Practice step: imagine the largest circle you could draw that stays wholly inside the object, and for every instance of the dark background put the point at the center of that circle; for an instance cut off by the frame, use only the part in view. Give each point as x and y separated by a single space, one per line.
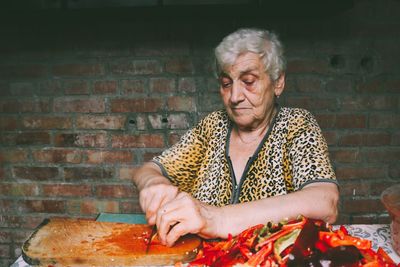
89 90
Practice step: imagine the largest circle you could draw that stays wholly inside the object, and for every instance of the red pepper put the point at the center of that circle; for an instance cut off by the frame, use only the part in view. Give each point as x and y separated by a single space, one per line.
384 259
295 224
259 257
334 240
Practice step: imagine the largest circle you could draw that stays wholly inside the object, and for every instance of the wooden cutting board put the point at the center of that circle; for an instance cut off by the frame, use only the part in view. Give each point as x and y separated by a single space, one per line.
72 242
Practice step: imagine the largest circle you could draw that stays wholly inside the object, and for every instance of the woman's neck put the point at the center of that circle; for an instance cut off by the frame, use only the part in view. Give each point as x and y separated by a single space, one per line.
251 135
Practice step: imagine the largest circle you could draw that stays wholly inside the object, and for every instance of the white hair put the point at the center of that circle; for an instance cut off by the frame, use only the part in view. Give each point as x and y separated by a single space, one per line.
262 42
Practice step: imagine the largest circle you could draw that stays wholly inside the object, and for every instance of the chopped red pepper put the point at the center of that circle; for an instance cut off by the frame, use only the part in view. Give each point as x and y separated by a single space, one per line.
334 240
272 245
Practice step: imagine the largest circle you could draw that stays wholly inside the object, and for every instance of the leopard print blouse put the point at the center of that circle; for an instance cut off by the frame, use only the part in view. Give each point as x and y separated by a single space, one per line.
292 154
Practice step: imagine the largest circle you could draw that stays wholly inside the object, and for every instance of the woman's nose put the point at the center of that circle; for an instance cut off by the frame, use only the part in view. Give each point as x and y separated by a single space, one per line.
237 95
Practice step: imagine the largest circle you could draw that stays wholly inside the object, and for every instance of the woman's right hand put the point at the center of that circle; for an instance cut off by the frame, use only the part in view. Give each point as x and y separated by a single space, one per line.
152 197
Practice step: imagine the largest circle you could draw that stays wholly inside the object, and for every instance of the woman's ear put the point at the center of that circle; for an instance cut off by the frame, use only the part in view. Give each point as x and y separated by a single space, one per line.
279 85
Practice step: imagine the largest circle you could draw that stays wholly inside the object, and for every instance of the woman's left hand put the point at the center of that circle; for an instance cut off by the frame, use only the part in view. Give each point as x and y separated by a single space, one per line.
184 215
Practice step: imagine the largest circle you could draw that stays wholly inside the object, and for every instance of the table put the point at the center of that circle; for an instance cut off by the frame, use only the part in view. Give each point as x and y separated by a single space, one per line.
379 234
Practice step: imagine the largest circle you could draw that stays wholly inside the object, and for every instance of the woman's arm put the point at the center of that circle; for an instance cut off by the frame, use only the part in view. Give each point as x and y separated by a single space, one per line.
188 215
155 190
317 200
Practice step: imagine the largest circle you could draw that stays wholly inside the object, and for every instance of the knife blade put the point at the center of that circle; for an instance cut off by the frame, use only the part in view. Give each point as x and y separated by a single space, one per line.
152 235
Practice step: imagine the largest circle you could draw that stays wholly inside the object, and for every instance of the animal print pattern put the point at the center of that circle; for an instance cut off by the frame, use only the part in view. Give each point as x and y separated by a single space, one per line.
292 154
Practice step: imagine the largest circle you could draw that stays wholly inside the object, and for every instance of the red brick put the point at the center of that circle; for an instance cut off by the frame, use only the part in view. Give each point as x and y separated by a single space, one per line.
92 207
80 140
47 206
57 155
15 106
178 121
136 105
164 48
362 205
138 141
87 173
312 103
93 105
19 190
181 103
343 219
360 172
20 221
396 138
50 87
5 251
8 123
6 206
162 85
115 191
363 219
307 66
21 236
326 120
96 156
72 87
365 139
131 206
105 87
367 103
67 190
46 122
174 138
350 121
179 66
354 189
345 155
384 121
377 187
100 122
339 85
126 173
133 86
147 156
25 138
307 84
209 102
136 67
379 85
36 173
81 70
394 171
187 84
23 71
383 155
2 173
13 155
330 137
5 236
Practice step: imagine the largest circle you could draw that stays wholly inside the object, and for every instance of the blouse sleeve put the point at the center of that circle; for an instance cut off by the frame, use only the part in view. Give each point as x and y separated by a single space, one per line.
309 153
181 162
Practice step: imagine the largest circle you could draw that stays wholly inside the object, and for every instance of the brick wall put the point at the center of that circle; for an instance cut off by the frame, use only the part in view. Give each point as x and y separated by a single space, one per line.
83 104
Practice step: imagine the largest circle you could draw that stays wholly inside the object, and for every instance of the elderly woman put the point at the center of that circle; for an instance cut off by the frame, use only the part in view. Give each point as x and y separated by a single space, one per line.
251 163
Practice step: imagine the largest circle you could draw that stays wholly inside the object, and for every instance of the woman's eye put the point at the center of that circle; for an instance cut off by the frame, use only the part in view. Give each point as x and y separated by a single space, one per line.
248 82
226 84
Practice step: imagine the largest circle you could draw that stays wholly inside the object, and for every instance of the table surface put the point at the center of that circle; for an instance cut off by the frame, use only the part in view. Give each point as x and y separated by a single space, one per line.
379 234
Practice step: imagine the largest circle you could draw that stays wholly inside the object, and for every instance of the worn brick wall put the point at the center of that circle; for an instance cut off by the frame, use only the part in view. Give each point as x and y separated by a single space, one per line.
84 102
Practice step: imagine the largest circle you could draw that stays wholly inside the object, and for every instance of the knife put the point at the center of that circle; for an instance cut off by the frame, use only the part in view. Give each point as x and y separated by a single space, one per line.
152 235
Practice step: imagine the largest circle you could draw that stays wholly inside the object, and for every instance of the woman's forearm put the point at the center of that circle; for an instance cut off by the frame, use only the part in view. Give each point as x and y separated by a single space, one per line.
317 201
149 174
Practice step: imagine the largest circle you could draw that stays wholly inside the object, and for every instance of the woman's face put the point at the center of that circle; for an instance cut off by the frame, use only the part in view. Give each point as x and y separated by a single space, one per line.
248 92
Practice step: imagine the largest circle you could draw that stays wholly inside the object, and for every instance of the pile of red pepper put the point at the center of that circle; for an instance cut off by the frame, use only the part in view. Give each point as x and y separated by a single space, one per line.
301 242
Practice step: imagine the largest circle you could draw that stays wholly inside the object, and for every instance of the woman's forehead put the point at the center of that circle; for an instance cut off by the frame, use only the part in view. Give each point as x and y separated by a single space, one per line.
249 62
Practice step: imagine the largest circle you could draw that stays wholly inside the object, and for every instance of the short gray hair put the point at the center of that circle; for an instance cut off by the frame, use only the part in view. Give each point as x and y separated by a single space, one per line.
258 41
